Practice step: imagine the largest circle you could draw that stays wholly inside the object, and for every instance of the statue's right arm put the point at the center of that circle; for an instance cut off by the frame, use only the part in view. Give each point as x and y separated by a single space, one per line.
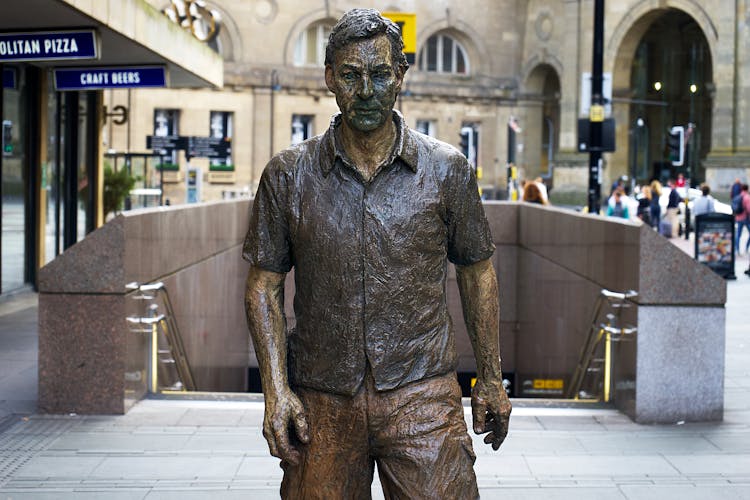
264 306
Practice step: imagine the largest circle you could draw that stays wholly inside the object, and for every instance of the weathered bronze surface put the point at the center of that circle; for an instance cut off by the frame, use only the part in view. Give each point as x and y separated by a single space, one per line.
369 214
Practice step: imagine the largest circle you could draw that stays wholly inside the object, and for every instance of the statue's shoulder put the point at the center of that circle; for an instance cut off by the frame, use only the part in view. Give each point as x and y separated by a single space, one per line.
437 155
295 158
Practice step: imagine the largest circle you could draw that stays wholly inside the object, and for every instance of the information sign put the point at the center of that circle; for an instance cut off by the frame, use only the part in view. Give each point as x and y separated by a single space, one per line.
123 77
166 144
586 94
194 147
49 45
208 147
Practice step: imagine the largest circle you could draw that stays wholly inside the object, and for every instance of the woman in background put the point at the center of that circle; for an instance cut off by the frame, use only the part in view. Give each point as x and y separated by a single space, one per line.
532 194
655 207
644 205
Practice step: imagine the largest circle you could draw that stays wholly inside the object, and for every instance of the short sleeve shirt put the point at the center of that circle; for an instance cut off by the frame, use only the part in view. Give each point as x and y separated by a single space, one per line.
370 258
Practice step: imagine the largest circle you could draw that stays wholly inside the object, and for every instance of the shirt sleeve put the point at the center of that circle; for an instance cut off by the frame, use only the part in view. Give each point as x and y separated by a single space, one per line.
469 238
267 243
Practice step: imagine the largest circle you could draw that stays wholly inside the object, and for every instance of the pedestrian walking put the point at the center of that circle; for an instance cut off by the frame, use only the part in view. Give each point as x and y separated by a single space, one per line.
673 208
705 204
741 209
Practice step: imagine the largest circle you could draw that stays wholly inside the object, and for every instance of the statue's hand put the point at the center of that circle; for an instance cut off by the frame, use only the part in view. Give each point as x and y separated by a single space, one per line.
490 408
284 412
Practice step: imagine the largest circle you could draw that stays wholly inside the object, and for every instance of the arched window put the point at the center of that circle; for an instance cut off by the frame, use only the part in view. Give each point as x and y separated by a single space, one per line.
443 54
310 49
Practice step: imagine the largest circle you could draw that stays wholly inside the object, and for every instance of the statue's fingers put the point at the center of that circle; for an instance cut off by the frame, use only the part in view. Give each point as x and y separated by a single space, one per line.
285 448
271 440
479 414
497 442
301 427
504 424
501 432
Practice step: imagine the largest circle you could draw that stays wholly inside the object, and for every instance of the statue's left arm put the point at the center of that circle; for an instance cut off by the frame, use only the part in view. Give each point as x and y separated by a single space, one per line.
477 284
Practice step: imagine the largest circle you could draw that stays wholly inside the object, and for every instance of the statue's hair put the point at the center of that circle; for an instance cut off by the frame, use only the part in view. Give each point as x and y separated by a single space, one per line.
360 24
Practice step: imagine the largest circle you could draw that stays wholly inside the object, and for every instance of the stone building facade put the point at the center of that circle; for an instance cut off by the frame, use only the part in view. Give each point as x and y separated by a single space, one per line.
480 66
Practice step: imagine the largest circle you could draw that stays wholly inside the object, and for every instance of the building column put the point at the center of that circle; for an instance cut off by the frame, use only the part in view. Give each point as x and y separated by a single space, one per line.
571 167
262 123
730 143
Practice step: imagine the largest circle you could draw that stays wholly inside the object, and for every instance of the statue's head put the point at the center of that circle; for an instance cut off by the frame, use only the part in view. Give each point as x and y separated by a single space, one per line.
360 24
365 66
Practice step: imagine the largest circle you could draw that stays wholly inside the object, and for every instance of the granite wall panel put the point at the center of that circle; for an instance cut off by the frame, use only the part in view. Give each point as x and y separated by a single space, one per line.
668 276
161 241
680 368
81 353
555 307
503 220
93 265
208 302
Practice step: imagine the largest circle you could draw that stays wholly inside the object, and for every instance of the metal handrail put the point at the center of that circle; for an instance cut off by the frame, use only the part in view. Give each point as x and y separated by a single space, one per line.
617 301
168 326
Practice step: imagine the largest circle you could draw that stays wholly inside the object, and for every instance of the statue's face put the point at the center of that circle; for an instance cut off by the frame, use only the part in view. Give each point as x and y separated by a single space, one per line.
365 83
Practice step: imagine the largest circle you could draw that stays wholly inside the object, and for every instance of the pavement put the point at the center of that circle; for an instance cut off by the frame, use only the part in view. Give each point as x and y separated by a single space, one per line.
167 449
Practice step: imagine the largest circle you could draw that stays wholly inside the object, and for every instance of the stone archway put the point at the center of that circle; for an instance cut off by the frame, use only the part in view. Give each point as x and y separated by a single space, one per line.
542 119
662 77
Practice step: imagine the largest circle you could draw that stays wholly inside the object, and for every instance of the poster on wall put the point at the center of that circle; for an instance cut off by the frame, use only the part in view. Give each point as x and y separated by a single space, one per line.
221 128
714 238
166 126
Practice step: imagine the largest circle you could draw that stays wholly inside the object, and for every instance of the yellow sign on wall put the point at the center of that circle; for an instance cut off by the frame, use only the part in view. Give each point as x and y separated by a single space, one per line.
554 384
408 24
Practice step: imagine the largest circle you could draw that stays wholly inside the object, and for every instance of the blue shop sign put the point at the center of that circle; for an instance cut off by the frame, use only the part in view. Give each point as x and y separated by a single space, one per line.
122 77
48 46
9 78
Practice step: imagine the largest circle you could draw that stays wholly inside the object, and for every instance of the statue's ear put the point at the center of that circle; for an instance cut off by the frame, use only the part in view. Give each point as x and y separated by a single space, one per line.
400 72
329 77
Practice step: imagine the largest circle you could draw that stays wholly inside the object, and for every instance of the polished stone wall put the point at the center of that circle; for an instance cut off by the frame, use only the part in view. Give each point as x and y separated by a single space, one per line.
680 375
551 265
566 259
90 359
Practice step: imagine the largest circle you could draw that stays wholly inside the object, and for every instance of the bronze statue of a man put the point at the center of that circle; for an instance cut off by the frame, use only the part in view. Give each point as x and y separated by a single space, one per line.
368 215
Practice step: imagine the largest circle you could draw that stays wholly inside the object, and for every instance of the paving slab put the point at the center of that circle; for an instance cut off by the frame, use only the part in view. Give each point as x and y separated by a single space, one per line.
119 442
551 493
53 494
639 466
167 467
679 492
711 464
59 467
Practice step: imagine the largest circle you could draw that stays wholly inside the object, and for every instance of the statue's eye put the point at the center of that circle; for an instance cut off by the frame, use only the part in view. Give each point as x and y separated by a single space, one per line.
381 75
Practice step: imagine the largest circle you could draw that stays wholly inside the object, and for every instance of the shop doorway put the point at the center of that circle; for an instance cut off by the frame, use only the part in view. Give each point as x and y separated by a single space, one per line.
70 171
13 181
49 162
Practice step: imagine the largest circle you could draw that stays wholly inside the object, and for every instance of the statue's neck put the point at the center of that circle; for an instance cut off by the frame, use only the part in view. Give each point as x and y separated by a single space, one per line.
368 150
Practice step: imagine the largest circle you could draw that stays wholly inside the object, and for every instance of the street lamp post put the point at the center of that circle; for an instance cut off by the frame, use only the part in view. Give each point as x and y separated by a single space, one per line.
596 113
640 126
